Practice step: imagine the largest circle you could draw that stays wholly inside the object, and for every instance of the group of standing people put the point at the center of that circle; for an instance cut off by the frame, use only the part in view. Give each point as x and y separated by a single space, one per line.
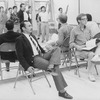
16 16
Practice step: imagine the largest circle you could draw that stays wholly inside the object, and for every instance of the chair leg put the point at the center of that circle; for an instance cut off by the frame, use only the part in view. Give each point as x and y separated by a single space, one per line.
96 70
46 79
1 72
29 82
77 65
16 78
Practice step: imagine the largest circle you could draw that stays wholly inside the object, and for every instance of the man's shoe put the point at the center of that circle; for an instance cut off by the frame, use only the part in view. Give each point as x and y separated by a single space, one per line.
7 69
91 78
65 95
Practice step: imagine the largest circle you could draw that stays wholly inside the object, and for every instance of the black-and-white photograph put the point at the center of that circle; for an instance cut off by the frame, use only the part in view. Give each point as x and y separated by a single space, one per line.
49 50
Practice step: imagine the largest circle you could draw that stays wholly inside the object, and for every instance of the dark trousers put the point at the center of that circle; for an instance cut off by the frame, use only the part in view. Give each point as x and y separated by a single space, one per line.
51 57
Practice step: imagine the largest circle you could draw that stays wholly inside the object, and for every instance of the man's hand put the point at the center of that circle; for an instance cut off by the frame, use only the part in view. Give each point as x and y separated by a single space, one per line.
31 70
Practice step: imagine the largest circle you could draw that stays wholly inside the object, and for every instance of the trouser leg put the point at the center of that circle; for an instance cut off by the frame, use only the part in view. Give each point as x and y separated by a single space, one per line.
53 56
43 64
43 31
47 31
59 79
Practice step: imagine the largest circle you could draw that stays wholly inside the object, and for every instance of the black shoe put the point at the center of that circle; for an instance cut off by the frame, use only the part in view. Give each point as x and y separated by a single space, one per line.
7 70
65 95
31 76
38 38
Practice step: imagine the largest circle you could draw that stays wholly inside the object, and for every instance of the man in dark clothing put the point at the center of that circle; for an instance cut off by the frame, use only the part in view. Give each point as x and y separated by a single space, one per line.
9 36
21 12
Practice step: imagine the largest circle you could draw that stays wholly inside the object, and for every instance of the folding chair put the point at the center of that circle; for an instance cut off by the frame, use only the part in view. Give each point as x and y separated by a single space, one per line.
7 48
66 52
77 64
30 80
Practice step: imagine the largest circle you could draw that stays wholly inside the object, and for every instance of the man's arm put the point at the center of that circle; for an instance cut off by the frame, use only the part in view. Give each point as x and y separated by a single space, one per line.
66 9
60 37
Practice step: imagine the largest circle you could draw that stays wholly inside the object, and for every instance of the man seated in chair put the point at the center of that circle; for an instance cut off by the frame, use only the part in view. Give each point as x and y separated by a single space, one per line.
10 36
64 34
31 55
79 35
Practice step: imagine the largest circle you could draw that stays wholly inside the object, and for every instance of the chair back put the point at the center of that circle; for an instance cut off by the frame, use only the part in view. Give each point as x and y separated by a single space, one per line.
7 47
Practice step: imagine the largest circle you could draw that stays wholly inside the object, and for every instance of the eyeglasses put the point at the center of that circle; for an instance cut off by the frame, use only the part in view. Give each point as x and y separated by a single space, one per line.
83 18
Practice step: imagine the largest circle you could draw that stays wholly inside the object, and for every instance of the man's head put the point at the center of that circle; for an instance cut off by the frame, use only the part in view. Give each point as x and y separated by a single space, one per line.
89 17
9 25
62 18
22 6
15 8
29 9
60 10
26 27
1 8
82 19
10 10
43 8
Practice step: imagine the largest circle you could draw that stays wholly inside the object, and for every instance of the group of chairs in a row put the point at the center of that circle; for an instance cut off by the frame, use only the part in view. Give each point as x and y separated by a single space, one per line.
69 56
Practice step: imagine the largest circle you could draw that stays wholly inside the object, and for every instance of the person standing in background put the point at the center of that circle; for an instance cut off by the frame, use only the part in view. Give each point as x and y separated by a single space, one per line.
9 12
3 19
44 14
61 12
21 12
15 19
29 13
38 20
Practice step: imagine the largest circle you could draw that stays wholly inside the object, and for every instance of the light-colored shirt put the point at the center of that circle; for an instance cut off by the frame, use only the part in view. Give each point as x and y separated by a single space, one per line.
44 16
35 52
80 37
93 26
25 16
63 33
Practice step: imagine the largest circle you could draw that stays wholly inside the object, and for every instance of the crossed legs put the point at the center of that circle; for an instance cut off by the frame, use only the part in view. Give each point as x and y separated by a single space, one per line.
53 57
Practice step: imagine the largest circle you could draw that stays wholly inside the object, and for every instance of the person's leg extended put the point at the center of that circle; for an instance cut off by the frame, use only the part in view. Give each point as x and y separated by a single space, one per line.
60 83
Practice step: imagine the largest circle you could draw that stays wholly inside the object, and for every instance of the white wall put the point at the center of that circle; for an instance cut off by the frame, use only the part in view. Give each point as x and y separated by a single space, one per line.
72 10
92 7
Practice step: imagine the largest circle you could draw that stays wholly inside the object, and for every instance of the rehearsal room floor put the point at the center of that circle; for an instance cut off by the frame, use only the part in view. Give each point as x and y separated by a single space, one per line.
80 88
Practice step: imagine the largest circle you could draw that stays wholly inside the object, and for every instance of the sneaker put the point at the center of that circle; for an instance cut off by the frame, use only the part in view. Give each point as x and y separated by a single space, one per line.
65 95
91 78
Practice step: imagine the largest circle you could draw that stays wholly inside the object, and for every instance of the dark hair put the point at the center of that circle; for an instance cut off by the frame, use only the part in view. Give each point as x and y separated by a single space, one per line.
29 7
59 9
80 16
63 18
9 8
1 7
89 17
9 25
23 24
14 7
21 5
43 7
